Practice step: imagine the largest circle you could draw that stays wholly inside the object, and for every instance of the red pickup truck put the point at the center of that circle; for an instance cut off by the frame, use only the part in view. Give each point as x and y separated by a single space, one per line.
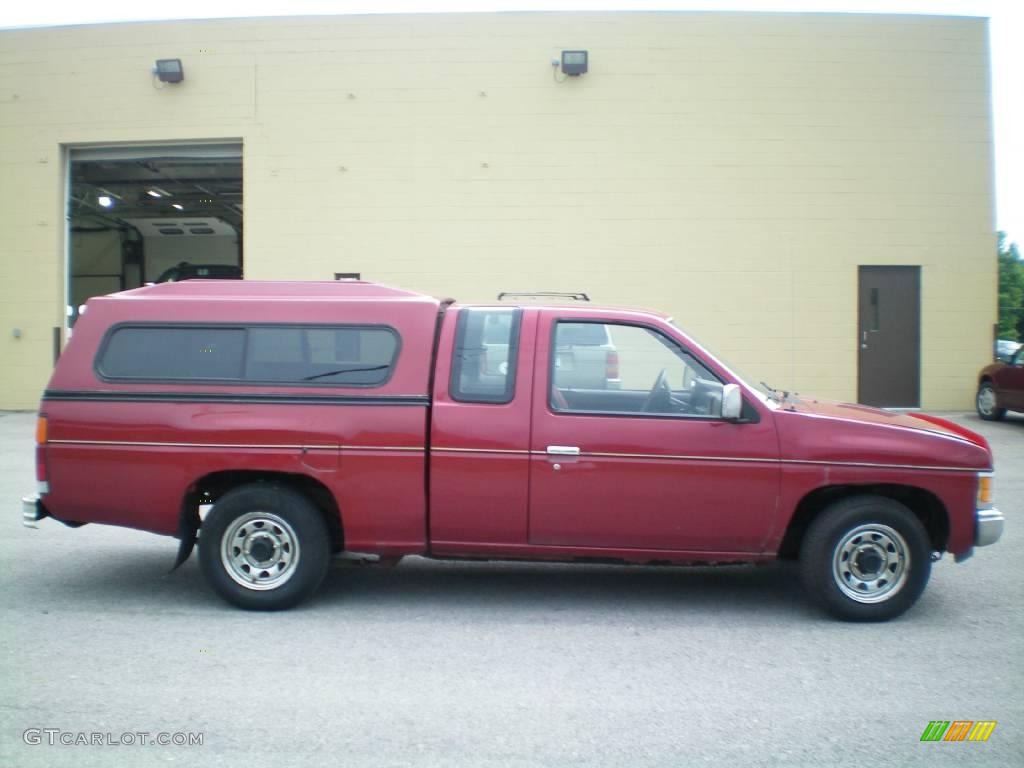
283 423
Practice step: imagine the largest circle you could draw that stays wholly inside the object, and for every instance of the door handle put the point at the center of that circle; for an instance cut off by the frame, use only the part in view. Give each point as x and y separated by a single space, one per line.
563 450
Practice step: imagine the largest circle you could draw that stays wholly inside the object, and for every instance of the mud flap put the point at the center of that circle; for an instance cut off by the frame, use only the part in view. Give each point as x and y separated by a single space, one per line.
188 533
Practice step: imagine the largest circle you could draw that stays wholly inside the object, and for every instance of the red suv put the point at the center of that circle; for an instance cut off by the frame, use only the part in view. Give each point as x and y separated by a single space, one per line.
282 423
1001 388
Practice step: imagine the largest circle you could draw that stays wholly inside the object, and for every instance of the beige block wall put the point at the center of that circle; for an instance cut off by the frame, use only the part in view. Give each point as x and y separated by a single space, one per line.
731 169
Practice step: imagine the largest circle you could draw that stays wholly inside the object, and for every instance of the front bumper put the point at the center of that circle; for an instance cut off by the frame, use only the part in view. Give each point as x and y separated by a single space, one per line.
32 511
988 526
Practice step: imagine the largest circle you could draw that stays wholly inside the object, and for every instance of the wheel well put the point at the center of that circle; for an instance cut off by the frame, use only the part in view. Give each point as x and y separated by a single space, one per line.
209 488
924 504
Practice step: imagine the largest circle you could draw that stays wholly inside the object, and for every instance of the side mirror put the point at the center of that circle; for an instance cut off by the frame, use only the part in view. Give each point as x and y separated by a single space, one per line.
732 402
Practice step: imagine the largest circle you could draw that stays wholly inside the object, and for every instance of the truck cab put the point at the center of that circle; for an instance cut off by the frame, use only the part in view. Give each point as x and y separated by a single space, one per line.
568 471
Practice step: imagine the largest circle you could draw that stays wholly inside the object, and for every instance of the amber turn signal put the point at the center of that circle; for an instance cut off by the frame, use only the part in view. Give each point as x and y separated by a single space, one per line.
41 430
985 495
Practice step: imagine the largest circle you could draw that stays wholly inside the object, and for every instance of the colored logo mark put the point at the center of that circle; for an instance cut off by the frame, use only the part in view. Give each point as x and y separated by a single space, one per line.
958 730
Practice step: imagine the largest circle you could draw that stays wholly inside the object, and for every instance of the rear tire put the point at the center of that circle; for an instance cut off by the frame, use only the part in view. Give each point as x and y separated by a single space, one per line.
986 403
866 558
264 547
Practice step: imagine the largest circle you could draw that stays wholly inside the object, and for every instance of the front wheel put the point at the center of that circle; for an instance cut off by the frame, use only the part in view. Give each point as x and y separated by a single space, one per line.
866 558
264 547
987 404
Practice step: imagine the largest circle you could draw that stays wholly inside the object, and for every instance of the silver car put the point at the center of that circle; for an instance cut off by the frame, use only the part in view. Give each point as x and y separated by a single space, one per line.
585 358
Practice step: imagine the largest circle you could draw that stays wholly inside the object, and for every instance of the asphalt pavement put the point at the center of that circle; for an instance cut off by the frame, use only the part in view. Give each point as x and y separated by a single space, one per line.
494 664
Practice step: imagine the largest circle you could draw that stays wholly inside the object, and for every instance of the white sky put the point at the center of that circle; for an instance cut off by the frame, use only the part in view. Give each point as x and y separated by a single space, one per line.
1007 39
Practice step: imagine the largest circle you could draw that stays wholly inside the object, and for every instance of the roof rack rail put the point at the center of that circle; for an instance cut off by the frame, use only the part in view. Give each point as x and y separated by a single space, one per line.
542 295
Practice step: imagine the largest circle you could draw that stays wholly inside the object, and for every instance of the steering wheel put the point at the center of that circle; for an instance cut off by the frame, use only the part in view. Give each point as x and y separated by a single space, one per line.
659 399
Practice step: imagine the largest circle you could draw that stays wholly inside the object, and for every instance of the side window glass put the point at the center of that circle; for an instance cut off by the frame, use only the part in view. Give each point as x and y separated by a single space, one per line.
609 368
484 359
343 356
155 353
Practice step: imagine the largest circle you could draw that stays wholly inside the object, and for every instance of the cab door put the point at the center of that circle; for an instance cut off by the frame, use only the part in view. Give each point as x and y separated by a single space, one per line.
647 463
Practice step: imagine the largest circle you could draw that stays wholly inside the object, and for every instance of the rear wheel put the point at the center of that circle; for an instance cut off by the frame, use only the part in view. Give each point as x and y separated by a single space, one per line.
987 404
264 547
866 558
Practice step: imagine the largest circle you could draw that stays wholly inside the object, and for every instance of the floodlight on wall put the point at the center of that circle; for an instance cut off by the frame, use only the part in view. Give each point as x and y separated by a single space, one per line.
169 70
574 63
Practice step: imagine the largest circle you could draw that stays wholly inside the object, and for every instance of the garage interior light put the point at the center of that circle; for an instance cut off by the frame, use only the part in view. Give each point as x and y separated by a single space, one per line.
105 200
179 206
157 192
169 70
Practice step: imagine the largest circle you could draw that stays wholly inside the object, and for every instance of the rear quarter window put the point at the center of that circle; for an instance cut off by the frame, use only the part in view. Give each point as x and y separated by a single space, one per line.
326 355
485 355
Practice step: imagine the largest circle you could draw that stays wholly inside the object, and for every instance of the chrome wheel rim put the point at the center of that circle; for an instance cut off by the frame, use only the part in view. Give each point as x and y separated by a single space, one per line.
986 401
260 551
871 563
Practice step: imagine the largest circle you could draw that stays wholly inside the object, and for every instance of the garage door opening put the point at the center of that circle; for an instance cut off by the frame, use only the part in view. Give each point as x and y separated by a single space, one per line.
140 215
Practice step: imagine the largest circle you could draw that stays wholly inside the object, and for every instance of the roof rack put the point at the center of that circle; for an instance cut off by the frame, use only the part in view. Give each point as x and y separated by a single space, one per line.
542 295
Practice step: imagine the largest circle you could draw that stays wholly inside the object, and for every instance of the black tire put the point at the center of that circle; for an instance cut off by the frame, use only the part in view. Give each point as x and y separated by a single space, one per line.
264 547
866 558
985 403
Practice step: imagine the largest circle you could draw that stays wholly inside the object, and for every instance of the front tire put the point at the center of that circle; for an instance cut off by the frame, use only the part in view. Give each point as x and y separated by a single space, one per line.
264 547
866 558
987 404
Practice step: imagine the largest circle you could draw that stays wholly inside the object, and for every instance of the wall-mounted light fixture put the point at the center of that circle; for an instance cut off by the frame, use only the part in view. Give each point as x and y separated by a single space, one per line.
169 70
574 63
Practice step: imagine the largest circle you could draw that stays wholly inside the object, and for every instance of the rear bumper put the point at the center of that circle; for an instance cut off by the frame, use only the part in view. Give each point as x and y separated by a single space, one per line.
32 511
988 527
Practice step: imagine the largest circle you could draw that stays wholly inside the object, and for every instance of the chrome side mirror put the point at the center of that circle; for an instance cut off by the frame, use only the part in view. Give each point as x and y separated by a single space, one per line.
732 402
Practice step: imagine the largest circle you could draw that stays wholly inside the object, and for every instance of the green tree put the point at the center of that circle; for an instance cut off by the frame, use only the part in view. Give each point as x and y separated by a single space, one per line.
1011 290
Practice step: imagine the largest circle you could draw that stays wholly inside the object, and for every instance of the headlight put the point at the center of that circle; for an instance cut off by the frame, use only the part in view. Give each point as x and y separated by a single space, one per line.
986 494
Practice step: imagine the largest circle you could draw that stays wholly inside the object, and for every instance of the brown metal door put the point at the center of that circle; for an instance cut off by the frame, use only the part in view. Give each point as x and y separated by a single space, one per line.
889 337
